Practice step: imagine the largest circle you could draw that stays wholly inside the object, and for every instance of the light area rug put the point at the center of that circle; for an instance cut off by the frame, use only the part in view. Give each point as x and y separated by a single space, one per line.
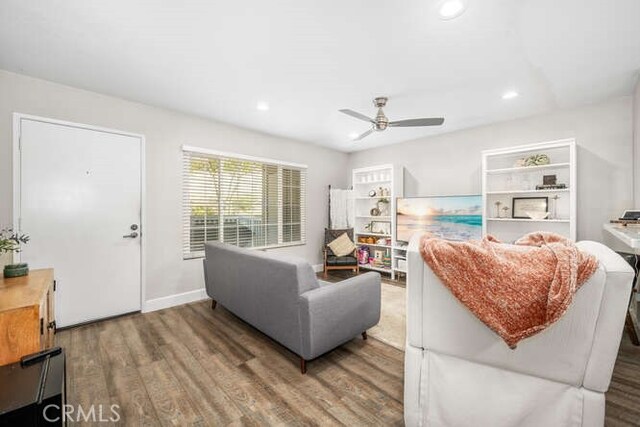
393 317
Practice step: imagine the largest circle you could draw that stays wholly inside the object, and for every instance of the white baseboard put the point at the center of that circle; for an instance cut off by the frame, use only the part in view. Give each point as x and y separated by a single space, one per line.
173 300
187 297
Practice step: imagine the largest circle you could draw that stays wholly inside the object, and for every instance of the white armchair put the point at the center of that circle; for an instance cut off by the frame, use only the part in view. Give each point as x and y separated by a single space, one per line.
460 373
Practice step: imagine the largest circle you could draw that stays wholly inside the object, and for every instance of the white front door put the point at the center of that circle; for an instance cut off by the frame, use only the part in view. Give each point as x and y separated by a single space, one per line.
79 195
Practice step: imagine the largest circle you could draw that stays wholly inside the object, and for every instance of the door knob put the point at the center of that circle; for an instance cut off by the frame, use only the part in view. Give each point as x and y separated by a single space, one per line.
133 235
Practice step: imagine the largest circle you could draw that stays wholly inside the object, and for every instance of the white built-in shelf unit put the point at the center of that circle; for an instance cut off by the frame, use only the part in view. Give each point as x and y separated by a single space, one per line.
504 179
387 183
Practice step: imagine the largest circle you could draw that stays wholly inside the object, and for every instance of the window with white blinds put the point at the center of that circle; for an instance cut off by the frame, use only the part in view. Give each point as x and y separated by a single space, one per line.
244 201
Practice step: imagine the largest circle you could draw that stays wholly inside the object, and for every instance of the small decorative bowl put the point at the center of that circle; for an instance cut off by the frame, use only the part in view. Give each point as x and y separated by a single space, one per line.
537 215
15 270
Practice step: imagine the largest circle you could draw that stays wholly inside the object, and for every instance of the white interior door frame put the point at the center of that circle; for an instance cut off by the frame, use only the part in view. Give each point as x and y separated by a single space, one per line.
17 177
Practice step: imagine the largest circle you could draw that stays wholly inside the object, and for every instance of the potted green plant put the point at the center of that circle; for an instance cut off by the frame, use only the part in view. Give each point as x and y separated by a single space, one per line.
10 242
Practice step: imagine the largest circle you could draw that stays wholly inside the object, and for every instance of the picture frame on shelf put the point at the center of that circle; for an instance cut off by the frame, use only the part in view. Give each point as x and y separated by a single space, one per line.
380 227
522 207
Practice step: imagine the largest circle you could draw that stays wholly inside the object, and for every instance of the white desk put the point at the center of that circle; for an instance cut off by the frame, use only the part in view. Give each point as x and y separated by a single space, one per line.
629 236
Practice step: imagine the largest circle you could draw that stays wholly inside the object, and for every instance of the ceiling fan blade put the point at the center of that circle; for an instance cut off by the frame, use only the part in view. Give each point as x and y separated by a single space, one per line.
357 115
364 135
434 121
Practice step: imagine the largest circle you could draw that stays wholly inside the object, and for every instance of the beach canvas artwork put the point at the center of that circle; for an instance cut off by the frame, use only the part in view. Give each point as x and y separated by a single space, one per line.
448 217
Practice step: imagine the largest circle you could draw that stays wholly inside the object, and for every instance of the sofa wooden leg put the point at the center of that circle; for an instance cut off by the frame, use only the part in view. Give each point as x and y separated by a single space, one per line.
364 335
303 366
214 303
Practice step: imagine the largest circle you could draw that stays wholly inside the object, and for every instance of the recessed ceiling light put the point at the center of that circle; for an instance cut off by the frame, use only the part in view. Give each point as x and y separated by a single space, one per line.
450 9
510 94
354 135
262 106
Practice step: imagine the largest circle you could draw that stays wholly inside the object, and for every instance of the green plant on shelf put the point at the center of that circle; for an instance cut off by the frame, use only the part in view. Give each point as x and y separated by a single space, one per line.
11 242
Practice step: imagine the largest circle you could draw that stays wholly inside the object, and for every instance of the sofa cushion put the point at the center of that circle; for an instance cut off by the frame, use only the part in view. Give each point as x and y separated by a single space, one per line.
261 288
342 245
342 260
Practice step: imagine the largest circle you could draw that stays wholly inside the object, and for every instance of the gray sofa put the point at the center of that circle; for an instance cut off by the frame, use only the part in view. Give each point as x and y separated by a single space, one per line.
282 297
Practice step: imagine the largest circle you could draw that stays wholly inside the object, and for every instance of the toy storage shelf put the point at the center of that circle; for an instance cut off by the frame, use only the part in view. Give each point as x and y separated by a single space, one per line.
377 187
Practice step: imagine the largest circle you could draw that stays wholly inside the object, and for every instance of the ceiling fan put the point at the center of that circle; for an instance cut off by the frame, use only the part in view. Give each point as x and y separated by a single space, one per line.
381 122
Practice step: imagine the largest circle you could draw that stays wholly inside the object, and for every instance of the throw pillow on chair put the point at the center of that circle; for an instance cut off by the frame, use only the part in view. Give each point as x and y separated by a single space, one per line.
342 245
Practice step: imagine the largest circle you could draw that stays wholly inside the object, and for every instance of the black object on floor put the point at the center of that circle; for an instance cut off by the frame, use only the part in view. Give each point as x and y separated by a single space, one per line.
33 394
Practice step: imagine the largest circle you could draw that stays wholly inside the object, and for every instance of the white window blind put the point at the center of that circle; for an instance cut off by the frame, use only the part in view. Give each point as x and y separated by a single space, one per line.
244 201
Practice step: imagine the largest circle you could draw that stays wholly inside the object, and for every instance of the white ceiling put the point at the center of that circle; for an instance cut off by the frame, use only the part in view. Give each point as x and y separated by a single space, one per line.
309 58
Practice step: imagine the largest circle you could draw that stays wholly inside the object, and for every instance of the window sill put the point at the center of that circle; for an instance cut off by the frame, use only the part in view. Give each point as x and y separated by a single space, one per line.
198 255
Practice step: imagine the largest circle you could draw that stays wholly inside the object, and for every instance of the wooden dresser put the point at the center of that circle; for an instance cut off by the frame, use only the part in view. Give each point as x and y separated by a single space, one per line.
27 318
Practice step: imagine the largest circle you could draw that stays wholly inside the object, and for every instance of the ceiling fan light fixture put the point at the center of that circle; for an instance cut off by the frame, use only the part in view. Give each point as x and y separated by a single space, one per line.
381 122
450 9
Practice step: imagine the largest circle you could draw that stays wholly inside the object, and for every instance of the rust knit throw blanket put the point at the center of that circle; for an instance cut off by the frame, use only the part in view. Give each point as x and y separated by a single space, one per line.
516 290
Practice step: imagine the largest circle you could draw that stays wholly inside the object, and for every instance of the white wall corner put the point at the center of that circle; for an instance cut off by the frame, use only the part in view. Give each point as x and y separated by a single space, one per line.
173 300
318 268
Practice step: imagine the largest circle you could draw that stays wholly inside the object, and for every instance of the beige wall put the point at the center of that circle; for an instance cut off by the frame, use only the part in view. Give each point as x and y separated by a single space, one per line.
165 132
450 163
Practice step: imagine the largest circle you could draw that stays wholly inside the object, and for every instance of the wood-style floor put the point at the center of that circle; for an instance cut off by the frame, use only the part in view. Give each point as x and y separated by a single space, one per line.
623 397
190 365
